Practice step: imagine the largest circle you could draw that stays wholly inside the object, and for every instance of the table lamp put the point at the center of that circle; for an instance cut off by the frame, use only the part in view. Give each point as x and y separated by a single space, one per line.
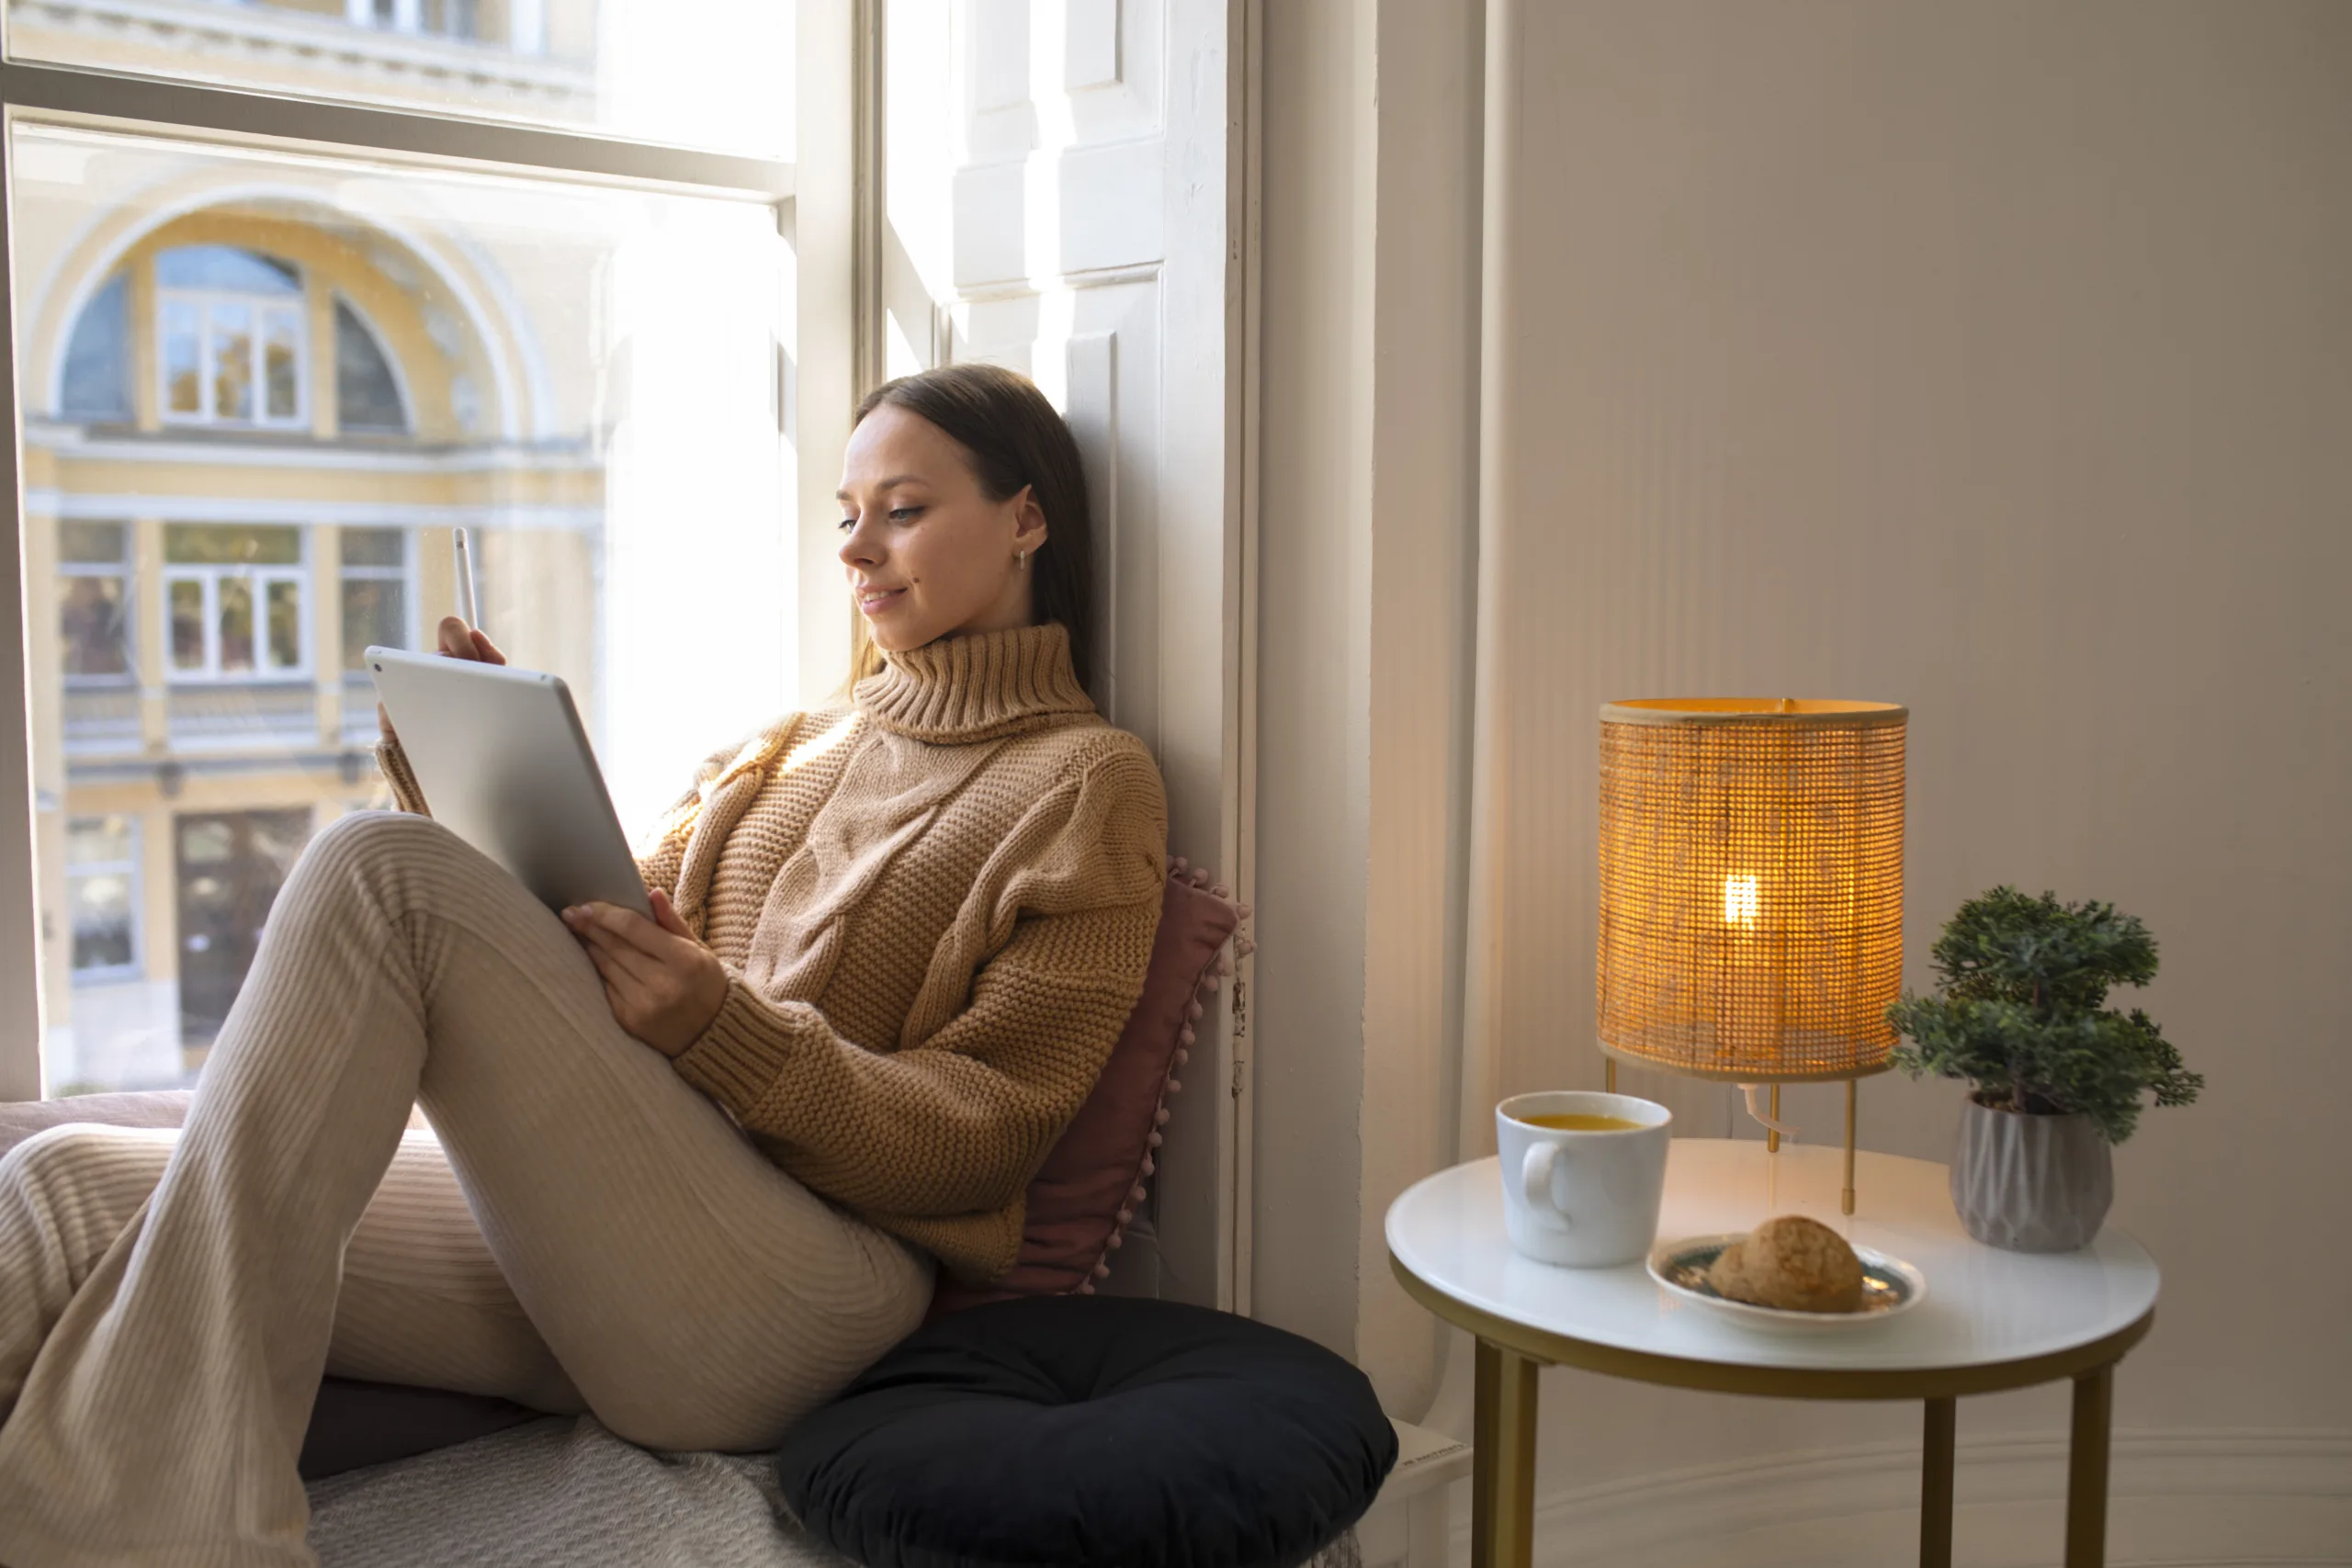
1751 892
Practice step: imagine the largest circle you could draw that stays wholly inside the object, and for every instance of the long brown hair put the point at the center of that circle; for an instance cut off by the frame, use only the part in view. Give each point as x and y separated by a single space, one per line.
1012 438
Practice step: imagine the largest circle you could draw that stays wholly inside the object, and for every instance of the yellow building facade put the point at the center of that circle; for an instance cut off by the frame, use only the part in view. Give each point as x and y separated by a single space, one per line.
256 412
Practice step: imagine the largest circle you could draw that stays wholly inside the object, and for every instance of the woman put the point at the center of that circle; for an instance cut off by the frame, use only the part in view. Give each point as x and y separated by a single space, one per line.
689 1173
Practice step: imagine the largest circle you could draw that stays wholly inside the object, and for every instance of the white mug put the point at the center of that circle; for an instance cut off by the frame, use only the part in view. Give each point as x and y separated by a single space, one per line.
1586 1199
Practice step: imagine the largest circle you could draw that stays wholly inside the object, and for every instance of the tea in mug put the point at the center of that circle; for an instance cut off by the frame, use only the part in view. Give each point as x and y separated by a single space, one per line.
1572 1121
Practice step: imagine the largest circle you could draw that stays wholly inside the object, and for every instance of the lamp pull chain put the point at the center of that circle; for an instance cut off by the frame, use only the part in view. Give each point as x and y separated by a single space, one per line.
1755 1108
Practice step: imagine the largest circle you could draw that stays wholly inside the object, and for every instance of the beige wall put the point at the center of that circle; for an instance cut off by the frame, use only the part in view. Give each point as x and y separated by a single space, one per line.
1990 359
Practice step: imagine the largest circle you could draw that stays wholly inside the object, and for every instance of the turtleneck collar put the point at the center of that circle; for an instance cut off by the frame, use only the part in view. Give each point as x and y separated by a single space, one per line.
978 687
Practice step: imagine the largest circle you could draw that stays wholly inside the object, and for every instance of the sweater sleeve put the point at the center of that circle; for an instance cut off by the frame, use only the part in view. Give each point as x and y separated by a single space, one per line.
407 794
959 1122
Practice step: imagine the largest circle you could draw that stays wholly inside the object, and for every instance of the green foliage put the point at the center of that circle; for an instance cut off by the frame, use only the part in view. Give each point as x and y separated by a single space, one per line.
2020 1013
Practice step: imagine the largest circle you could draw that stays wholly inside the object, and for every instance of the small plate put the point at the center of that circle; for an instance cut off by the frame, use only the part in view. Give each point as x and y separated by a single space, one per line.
1889 1287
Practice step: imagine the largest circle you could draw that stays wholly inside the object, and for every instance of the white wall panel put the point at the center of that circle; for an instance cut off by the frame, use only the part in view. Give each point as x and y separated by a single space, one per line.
1032 190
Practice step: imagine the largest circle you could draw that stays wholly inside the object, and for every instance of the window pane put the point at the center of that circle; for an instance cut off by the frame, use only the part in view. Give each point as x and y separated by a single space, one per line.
99 544
93 626
693 72
183 374
187 625
604 421
96 383
232 362
231 543
366 395
225 268
281 350
99 840
236 598
375 614
102 920
375 546
285 625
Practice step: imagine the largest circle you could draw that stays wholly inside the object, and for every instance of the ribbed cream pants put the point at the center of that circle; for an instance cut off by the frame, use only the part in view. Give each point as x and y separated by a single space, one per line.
588 1232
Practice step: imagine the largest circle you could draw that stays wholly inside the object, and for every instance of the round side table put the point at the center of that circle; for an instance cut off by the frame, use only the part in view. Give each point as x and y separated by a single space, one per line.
1993 1320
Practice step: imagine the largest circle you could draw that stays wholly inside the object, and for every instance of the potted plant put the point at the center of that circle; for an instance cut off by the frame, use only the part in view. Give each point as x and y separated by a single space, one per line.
2059 1076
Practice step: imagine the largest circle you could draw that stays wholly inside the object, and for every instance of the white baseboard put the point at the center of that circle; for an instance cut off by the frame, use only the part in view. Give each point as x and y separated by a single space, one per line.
2209 1499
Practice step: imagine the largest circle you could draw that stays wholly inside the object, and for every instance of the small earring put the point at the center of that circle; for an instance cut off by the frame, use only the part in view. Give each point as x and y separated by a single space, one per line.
1021 557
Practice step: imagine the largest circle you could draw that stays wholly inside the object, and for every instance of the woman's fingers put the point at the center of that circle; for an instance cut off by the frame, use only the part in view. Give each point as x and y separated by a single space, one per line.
613 954
485 650
627 926
665 914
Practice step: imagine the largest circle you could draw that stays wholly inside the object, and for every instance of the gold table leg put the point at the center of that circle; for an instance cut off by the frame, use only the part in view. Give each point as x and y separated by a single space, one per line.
1502 1464
1935 1483
2086 1469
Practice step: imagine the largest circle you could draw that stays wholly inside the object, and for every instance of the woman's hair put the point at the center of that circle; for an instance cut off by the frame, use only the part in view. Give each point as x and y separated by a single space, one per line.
1012 438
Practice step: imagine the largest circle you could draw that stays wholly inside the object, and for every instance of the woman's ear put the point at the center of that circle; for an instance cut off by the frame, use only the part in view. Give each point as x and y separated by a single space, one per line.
1028 520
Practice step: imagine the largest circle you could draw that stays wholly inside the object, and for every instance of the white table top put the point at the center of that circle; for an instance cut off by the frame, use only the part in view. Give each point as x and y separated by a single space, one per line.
1984 1305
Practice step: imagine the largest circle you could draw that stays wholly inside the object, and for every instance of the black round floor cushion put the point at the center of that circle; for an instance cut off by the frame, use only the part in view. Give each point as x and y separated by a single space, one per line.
1091 1430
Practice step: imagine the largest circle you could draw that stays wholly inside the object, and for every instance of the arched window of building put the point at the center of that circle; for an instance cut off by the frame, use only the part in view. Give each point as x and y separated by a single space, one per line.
367 394
97 384
229 337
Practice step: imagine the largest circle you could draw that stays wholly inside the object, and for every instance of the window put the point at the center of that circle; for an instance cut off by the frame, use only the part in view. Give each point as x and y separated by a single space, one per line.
233 598
375 592
102 895
583 377
450 18
94 603
366 392
699 74
489 309
97 384
229 337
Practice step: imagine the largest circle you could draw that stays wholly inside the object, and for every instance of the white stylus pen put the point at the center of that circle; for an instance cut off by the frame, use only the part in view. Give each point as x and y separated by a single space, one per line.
466 600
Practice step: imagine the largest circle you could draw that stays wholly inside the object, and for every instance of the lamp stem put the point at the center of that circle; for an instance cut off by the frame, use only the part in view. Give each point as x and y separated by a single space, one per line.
1846 1197
1773 1127
1609 1073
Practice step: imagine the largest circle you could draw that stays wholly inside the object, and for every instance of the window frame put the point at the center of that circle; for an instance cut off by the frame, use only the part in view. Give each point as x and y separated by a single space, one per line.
833 183
210 578
404 574
125 571
134 869
264 306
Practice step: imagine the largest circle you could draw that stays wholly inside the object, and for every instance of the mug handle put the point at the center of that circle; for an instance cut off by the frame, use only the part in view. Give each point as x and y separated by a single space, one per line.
1535 1180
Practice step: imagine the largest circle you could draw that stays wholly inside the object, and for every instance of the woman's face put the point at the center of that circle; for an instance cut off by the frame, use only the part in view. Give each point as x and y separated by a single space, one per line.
928 554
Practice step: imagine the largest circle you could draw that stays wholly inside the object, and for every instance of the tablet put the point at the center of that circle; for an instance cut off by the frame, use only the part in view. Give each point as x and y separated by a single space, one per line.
505 765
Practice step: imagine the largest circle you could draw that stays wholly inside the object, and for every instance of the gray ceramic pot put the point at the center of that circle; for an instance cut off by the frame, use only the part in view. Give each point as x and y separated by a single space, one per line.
2030 1183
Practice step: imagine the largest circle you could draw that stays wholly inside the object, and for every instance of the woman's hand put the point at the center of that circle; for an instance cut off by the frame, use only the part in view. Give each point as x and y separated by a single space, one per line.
664 987
458 640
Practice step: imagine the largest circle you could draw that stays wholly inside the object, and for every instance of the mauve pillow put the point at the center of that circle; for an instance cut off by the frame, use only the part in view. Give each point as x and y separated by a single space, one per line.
1085 1193
352 1423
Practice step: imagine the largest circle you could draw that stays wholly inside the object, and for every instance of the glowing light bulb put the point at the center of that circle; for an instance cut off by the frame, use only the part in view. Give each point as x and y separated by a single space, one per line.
1741 906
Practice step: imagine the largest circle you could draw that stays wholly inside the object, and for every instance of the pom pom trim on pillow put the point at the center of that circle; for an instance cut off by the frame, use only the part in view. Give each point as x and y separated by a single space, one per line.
1086 1193
1205 986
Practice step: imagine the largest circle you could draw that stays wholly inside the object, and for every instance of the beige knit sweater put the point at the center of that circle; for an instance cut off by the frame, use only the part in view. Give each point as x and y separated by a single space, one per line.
934 904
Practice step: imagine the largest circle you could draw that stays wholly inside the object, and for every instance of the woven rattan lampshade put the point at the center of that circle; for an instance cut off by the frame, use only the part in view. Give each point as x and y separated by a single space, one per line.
1751 885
